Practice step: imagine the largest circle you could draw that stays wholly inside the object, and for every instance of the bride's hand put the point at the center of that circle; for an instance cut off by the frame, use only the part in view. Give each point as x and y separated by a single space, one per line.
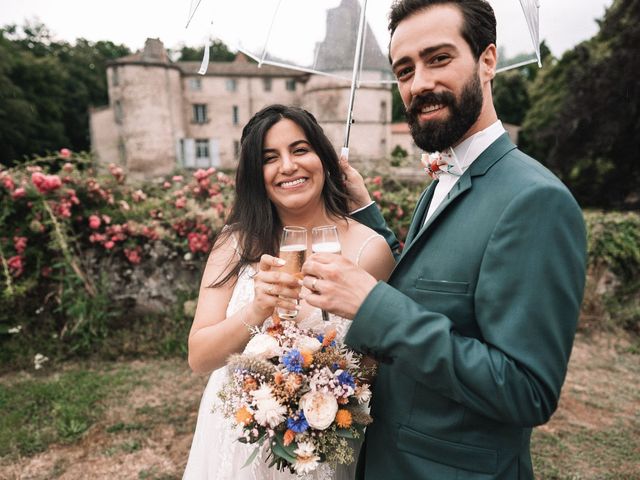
353 181
273 288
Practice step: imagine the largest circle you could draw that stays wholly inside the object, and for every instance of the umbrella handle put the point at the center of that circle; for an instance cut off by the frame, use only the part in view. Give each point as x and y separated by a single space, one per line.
357 59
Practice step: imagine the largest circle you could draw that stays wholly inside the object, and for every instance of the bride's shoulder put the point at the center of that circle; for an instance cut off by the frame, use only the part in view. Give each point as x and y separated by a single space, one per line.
358 231
371 250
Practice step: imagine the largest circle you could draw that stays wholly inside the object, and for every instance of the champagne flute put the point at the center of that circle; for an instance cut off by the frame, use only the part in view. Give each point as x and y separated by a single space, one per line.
325 239
293 250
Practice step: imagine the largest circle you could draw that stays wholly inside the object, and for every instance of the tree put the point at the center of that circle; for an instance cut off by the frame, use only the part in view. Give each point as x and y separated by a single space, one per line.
46 89
583 122
511 88
218 52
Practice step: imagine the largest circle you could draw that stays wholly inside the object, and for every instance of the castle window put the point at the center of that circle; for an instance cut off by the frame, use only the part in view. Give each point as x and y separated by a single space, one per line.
231 84
199 113
122 151
236 116
195 84
236 149
266 83
115 78
383 111
202 149
117 110
291 85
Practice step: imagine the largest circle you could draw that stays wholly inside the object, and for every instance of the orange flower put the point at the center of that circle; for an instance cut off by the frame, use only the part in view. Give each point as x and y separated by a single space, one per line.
343 401
250 384
289 435
329 337
276 329
343 418
277 378
307 358
243 416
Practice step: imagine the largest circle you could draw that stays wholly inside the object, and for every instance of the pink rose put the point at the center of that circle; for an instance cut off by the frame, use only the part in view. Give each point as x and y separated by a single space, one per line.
65 152
18 193
181 202
94 222
20 244
15 265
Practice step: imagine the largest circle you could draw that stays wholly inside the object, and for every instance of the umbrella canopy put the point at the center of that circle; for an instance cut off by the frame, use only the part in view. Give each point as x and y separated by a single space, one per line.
347 39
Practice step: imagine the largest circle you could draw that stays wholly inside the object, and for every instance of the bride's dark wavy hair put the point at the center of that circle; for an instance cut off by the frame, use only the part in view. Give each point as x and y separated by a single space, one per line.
253 218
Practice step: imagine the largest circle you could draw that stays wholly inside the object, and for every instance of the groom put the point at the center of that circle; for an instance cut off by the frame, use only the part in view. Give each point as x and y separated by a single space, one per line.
474 328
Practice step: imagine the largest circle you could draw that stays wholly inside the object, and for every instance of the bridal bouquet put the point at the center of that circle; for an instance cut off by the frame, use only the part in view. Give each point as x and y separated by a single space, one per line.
298 394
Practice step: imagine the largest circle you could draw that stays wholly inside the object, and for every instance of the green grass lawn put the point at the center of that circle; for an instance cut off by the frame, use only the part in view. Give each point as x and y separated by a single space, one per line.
135 419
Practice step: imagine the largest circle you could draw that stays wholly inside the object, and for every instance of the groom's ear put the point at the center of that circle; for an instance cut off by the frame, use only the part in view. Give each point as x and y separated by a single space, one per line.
488 63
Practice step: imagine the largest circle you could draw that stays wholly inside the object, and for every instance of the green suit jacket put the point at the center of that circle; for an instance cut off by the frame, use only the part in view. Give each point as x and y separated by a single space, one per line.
474 328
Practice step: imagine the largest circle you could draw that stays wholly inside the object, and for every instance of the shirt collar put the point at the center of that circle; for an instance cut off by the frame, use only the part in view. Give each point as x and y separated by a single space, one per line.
471 148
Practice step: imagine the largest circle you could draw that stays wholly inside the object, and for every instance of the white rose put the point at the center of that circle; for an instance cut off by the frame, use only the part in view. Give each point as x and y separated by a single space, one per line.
319 409
263 346
310 344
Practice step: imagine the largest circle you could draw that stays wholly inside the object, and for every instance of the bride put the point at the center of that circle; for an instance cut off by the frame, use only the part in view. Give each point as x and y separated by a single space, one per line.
288 174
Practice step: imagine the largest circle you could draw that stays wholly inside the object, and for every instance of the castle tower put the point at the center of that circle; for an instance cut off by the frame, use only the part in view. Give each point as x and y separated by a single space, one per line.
146 103
328 98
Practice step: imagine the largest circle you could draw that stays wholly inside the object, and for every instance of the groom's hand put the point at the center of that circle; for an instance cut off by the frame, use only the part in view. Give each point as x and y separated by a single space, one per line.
358 193
336 284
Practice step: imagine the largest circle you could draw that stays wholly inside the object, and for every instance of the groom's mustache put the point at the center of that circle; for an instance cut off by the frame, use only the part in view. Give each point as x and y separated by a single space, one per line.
427 100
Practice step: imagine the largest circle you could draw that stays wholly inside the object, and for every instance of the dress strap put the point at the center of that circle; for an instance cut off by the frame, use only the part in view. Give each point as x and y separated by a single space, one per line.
364 244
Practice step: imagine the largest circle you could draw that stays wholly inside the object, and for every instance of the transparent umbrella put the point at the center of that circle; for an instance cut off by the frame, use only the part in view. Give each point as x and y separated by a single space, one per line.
346 39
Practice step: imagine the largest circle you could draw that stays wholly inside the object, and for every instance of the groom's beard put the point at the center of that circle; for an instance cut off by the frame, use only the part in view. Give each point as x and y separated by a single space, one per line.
437 135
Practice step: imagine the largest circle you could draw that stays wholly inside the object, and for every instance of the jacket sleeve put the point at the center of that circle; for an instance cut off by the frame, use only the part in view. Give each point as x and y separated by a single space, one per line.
371 216
526 302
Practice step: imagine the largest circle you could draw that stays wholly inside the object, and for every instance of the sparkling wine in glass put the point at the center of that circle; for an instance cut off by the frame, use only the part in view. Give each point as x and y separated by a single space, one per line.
325 240
293 250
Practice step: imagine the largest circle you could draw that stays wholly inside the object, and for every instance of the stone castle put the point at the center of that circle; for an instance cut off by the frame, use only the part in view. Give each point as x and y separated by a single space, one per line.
163 115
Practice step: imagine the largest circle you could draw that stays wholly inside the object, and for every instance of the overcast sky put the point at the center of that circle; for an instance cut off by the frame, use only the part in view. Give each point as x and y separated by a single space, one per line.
563 23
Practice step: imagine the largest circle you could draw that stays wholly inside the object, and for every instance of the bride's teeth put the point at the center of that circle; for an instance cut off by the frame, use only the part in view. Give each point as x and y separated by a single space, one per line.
290 184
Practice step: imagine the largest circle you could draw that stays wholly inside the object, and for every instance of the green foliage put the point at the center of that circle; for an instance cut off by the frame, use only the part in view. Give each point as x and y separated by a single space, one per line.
46 89
614 248
218 52
583 120
614 240
397 107
73 234
37 413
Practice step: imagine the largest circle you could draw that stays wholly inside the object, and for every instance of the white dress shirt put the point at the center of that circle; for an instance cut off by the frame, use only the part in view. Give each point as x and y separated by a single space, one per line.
464 154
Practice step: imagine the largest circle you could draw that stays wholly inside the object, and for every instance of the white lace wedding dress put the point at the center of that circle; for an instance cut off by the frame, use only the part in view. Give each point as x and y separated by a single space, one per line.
215 452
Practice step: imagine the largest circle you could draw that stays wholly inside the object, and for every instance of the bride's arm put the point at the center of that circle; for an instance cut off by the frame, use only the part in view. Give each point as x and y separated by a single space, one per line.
214 336
377 259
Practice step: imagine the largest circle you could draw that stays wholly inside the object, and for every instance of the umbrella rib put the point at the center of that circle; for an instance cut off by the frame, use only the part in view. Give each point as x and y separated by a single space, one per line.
193 13
266 43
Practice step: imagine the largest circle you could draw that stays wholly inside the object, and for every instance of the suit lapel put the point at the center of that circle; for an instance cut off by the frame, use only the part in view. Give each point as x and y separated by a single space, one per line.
420 211
480 166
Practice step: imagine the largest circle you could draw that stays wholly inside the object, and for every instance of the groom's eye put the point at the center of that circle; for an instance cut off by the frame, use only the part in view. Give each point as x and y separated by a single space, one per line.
403 72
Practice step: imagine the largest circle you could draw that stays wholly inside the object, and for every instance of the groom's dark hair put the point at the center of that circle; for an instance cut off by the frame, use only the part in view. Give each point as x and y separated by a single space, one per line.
478 28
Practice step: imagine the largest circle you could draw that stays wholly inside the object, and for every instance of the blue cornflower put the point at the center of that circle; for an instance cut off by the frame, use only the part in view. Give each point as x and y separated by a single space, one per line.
345 378
293 361
297 423
320 338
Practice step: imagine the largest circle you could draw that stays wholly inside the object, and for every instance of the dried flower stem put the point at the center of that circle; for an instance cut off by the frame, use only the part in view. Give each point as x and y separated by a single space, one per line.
66 251
7 273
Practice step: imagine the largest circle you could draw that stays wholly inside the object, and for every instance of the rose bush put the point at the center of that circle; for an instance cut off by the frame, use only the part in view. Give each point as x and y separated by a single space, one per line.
87 257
